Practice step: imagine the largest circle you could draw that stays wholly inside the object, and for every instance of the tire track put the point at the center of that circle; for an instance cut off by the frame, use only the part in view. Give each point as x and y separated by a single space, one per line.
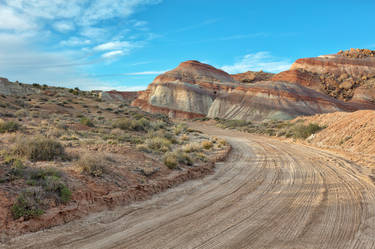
269 194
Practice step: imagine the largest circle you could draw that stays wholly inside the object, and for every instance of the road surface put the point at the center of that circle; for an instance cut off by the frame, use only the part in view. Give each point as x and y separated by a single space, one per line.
268 194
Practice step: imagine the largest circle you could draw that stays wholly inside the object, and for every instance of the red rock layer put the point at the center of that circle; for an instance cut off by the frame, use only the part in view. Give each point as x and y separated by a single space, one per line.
301 77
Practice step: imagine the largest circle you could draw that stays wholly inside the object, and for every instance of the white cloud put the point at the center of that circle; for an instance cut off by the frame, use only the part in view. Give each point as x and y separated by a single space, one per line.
27 26
113 45
63 26
140 23
258 61
9 20
106 9
75 41
113 54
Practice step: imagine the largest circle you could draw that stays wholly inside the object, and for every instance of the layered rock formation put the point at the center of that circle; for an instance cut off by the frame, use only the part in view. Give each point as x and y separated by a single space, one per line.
195 89
344 75
185 92
126 97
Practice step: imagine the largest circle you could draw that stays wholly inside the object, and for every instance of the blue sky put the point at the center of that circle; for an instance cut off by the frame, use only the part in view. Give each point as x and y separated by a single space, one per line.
124 44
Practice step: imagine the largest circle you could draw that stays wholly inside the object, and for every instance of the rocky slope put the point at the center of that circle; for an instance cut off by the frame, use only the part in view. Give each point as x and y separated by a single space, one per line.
15 88
251 77
126 97
348 75
194 89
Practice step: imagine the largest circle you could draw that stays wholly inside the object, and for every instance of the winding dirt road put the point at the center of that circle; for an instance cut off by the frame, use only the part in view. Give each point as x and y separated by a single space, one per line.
268 194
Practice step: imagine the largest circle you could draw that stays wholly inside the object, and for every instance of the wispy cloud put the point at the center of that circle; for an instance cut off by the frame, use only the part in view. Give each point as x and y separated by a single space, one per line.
78 34
146 73
113 54
258 61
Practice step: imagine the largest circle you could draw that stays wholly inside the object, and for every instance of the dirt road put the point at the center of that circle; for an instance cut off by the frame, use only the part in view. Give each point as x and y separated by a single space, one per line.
268 194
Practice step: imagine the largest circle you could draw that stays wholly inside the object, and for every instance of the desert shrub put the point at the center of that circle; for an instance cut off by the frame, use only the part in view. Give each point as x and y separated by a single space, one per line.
157 125
170 160
184 137
39 149
192 147
21 113
93 165
158 144
304 131
86 121
183 158
9 126
142 147
207 145
180 128
132 124
28 203
222 142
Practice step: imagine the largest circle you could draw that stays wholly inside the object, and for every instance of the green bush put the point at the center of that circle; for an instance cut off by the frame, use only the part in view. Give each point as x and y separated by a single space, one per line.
39 149
9 126
86 121
304 131
28 204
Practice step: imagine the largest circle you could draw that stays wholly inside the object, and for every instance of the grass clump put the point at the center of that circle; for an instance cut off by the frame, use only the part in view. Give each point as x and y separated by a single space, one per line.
39 149
159 144
93 165
192 147
9 126
304 131
132 124
173 159
207 145
86 121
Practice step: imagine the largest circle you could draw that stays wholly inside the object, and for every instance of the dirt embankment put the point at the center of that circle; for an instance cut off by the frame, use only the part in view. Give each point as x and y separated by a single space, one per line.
352 133
94 198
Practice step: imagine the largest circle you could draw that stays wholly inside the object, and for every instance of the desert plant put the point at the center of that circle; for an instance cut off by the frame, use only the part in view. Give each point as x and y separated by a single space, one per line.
304 131
207 145
86 121
158 144
28 204
93 165
170 160
9 126
39 149
192 147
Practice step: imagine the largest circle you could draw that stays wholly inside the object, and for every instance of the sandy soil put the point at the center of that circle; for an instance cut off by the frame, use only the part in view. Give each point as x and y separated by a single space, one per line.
268 194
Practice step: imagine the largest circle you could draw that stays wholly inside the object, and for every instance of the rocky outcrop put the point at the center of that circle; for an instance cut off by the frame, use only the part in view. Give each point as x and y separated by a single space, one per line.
126 97
342 75
251 77
195 89
15 88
